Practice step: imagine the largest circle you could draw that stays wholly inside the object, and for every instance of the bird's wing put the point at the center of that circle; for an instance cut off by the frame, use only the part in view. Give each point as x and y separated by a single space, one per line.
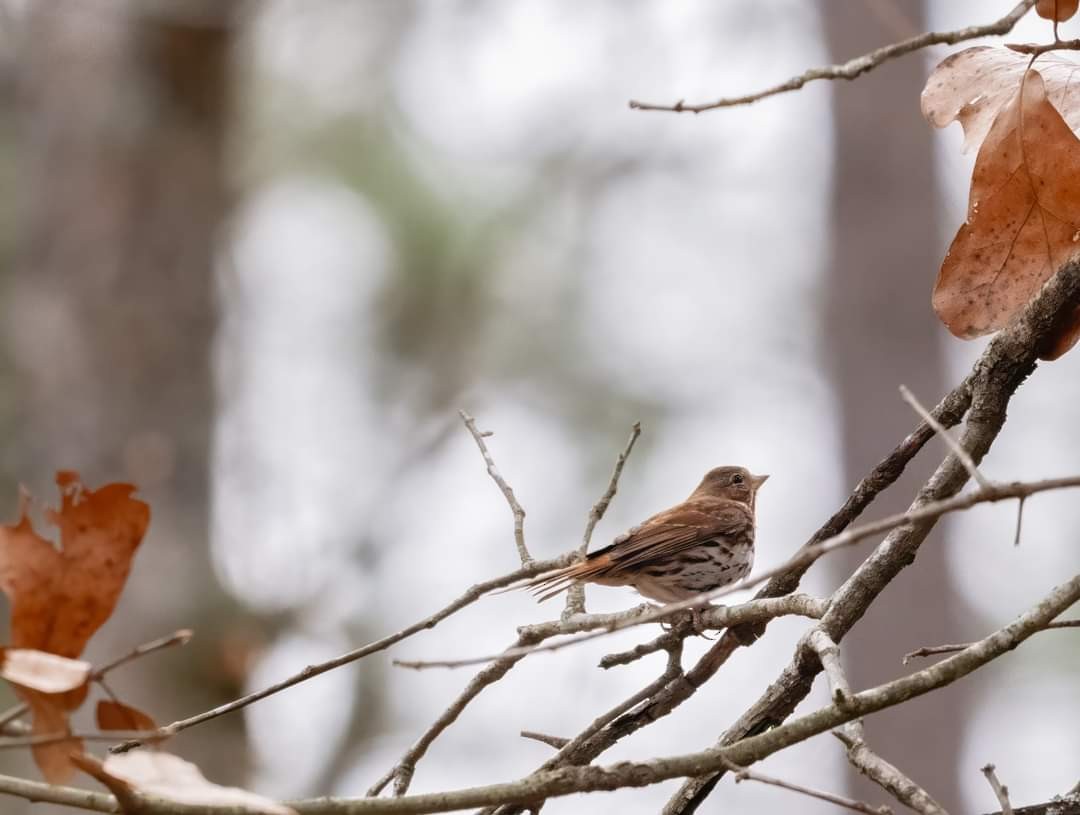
675 531
661 536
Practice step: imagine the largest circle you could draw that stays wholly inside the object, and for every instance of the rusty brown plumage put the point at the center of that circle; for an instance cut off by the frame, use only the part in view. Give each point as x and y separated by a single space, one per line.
705 542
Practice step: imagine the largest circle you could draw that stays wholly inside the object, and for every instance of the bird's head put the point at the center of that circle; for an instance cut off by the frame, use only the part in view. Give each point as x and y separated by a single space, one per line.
733 483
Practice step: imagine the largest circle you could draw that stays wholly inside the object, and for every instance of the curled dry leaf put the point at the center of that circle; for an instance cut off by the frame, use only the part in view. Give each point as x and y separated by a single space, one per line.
113 715
1057 10
42 671
60 597
972 86
1023 219
169 777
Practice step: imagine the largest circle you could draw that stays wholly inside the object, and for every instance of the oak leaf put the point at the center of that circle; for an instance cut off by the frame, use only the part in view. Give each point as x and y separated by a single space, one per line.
60 597
1024 209
972 86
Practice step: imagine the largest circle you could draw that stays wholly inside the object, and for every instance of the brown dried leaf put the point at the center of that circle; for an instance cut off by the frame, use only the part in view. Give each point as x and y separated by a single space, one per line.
164 775
41 671
118 716
59 598
1058 10
972 86
1023 219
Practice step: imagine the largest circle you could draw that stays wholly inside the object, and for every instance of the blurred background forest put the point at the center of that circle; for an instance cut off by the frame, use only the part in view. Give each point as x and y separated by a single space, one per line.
256 255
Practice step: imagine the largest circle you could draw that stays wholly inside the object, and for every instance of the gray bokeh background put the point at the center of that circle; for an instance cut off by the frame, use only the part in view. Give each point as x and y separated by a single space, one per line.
257 267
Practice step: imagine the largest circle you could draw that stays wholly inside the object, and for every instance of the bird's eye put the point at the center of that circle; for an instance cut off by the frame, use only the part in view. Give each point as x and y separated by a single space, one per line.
736 479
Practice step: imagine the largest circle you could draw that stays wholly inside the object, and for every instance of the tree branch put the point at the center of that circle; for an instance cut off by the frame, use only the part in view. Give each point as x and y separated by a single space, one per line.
599 625
743 774
951 649
855 67
500 482
884 774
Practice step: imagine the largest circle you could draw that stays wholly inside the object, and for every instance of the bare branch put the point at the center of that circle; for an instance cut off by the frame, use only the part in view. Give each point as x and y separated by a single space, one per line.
664 642
575 596
181 637
473 594
507 491
946 436
951 649
884 774
829 654
39 739
855 67
1001 791
743 774
600 625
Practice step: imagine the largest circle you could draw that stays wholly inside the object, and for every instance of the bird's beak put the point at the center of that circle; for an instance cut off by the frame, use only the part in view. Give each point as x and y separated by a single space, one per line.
758 480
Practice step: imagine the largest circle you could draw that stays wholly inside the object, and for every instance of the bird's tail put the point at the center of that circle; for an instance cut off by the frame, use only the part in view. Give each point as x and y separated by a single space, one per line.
556 582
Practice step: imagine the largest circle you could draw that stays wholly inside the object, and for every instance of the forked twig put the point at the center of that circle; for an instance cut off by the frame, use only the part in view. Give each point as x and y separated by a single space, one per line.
500 482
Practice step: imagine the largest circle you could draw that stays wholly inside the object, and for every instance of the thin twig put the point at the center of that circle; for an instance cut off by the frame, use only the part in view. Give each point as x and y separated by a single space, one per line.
663 642
1000 790
808 554
181 637
473 594
946 436
558 742
1019 520
931 650
743 774
829 654
857 66
575 597
507 491
884 774
39 739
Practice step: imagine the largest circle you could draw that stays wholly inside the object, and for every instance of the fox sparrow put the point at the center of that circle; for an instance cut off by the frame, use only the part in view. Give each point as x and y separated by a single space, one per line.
703 543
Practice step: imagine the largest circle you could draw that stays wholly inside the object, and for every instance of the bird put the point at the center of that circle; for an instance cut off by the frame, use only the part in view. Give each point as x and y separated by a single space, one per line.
700 544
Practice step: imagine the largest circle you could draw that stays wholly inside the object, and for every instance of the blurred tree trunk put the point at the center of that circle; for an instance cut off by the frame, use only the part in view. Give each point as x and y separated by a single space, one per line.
880 333
121 113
